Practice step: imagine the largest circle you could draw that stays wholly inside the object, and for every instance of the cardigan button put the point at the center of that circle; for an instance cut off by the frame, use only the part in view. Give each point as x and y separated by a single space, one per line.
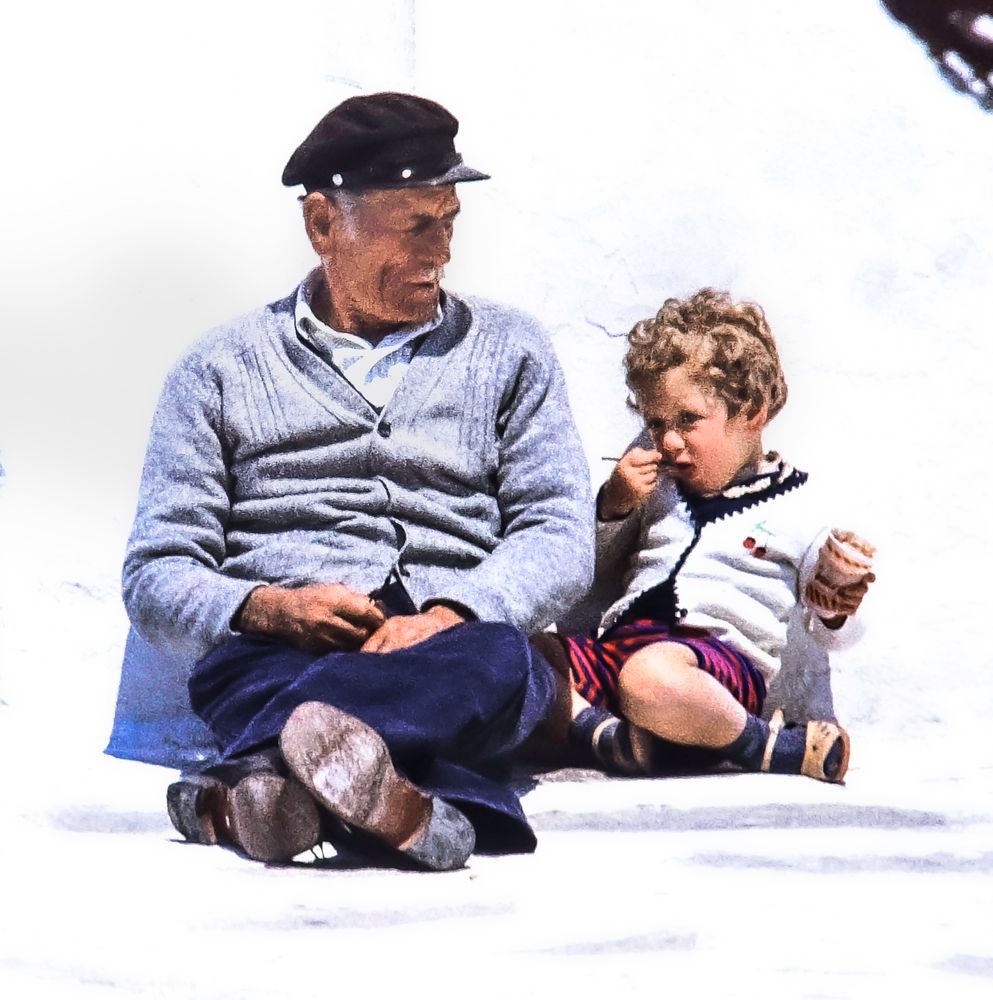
384 429
681 612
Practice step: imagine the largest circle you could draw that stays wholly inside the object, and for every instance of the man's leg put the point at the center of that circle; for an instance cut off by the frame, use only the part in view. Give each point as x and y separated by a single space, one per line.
444 707
468 694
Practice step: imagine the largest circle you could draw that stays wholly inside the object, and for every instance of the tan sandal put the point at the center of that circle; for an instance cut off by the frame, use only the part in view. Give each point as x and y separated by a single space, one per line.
821 739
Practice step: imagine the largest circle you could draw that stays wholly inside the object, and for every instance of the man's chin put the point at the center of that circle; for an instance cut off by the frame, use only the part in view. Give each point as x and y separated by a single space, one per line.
418 307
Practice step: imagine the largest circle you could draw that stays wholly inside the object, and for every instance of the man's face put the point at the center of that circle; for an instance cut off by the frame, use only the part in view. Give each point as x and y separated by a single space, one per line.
390 250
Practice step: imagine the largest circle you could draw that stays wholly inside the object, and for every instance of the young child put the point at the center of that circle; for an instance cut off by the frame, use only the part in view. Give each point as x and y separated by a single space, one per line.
710 538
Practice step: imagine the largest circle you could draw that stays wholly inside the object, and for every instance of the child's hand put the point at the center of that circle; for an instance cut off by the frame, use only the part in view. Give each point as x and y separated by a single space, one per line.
630 484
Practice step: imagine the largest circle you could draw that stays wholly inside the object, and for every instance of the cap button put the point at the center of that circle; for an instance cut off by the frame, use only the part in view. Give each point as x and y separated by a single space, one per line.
406 173
337 180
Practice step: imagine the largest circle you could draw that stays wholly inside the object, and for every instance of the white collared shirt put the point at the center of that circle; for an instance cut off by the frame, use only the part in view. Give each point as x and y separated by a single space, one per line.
375 371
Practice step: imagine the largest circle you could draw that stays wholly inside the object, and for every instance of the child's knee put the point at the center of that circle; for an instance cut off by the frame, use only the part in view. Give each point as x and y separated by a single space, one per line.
657 673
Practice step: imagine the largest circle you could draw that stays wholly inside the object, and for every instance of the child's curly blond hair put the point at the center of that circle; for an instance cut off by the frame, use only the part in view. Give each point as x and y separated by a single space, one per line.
728 346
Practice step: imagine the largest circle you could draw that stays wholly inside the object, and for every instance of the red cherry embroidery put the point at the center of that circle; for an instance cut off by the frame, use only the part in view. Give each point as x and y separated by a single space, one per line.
749 542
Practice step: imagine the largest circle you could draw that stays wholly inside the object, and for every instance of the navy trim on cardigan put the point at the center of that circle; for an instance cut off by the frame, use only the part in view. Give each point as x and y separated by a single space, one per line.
661 603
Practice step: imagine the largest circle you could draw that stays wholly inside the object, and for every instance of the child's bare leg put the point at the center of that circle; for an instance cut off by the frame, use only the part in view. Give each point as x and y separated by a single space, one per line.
663 690
548 744
574 730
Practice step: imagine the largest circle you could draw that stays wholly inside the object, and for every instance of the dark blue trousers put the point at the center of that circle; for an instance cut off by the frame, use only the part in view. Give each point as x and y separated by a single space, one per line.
448 708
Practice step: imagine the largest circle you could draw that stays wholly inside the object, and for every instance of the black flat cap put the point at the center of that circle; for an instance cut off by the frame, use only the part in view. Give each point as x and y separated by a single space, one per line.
380 141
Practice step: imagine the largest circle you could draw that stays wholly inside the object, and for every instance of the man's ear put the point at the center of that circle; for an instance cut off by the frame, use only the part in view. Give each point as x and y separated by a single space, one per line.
759 418
318 219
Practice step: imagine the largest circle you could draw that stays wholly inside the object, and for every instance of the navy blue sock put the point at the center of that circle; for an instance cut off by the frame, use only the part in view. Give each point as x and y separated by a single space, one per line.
787 754
748 749
582 728
788 751
611 747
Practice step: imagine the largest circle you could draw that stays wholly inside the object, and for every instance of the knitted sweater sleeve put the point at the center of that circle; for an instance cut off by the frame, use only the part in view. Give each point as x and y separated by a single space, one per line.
544 560
174 592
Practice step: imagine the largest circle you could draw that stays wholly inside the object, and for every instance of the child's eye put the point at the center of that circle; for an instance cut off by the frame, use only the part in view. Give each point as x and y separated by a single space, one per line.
687 419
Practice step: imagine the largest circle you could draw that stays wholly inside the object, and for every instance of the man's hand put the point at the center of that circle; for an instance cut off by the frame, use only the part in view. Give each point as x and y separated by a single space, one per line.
402 631
630 484
317 618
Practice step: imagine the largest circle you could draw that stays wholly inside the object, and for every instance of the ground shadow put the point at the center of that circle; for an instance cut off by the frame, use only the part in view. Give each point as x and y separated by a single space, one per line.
776 816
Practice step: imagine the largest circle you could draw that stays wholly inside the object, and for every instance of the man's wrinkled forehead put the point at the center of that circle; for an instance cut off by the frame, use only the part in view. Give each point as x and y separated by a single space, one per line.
408 205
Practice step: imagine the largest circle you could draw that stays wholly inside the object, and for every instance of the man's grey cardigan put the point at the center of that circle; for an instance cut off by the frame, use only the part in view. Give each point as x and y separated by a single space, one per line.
265 465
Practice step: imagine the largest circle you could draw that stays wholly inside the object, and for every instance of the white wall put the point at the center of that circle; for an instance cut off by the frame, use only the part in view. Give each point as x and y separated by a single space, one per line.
805 155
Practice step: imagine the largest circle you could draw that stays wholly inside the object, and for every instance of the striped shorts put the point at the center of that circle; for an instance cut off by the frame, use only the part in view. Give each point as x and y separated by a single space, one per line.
595 664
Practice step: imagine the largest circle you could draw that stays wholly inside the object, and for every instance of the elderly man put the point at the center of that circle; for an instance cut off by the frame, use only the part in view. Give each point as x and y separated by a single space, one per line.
355 503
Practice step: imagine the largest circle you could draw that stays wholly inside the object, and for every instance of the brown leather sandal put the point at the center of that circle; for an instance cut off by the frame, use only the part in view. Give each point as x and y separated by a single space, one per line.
822 739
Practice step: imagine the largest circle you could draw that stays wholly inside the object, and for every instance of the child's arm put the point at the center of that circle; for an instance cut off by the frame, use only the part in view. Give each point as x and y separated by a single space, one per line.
618 528
630 484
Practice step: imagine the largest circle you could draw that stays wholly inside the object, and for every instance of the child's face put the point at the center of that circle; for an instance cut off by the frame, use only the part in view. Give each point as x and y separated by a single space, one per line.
702 448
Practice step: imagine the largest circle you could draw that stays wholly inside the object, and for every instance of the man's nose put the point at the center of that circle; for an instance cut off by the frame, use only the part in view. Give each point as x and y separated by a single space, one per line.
437 249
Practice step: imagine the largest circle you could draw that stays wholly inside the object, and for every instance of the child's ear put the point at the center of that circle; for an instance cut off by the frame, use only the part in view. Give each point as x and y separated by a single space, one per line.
759 418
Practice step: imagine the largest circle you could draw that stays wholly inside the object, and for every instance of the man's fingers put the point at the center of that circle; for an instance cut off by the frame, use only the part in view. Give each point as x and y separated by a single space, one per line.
357 608
387 638
333 633
403 631
368 618
376 642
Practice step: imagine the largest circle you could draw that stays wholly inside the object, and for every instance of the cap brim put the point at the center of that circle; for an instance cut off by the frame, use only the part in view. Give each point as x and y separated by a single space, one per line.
457 174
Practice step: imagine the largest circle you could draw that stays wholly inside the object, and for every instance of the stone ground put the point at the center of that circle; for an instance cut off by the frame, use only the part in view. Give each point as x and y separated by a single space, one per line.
719 886
727 885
